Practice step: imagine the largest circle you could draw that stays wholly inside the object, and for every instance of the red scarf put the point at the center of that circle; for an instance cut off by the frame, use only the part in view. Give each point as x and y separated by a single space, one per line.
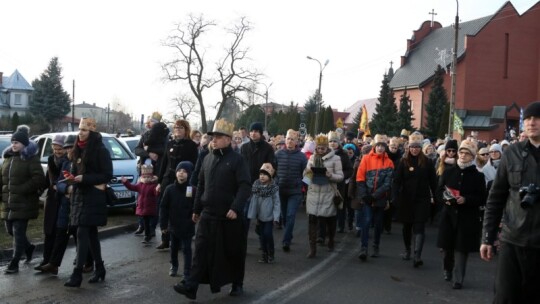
82 144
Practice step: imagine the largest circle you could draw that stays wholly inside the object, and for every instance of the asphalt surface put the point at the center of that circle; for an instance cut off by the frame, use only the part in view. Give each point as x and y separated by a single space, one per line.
139 274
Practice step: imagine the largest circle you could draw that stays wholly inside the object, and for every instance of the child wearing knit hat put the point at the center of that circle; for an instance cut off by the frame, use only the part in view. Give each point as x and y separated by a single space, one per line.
175 213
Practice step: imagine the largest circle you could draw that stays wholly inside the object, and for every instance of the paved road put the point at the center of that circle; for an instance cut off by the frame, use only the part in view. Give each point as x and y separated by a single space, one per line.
138 274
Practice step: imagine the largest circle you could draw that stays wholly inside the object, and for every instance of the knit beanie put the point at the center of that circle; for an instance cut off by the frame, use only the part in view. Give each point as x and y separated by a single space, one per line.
256 126
186 165
21 135
532 109
451 144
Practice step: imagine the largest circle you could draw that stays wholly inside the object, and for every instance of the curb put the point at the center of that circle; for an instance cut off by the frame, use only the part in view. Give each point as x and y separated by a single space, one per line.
5 255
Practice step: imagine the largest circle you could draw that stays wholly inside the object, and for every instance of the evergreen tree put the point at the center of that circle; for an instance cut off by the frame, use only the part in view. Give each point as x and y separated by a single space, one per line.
311 108
383 120
50 101
436 103
443 129
252 114
405 114
328 123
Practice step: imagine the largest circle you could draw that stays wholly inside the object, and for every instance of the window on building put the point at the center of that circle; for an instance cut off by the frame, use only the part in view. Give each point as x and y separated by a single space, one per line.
18 99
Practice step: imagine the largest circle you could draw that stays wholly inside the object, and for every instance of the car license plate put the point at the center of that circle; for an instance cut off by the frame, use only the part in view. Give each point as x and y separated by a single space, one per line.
123 194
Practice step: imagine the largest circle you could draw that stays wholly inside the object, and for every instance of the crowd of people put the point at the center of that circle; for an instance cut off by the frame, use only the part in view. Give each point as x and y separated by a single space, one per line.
209 187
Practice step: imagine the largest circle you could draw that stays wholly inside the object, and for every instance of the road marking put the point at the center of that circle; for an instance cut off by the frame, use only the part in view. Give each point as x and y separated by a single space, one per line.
317 274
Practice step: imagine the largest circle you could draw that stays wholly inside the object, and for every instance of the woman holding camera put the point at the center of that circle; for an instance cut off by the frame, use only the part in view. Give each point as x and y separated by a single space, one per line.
462 189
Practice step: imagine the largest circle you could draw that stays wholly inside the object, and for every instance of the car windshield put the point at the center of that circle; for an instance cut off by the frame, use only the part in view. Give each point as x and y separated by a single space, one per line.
116 149
4 143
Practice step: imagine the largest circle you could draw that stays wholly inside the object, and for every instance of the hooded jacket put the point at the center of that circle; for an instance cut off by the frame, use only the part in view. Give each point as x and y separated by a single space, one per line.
21 183
374 177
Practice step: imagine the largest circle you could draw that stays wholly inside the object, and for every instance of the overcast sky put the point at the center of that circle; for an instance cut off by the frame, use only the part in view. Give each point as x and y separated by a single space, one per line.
113 51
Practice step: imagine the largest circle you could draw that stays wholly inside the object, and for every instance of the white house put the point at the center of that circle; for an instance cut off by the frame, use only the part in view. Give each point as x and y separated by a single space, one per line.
15 94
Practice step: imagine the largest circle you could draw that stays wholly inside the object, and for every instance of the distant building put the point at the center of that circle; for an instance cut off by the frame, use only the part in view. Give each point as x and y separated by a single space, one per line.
498 69
15 94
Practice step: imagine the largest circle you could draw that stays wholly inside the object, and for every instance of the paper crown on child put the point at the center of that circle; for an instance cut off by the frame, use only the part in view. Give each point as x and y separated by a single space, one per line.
267 169
147 169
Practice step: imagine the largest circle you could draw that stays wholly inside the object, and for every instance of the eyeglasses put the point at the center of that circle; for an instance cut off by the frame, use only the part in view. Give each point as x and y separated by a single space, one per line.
450 150
484 154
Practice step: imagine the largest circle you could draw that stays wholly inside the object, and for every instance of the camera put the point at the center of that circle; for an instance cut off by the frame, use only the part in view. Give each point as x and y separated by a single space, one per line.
529 195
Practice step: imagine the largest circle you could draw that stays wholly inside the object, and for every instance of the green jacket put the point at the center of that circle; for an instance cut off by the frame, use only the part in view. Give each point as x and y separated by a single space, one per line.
22 181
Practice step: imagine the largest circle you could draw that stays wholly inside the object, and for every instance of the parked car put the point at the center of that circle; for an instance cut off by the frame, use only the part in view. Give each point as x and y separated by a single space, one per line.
124 164
5 141
131 142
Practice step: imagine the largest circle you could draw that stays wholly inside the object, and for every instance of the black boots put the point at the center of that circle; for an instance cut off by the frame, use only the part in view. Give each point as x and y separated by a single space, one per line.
190 293
264 258
99 273
418 245
165 240
75 279
13 266
236 290
312 234
29 252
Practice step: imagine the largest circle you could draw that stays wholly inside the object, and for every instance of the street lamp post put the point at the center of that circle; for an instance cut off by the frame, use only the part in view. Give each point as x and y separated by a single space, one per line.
319 95
454 67
266 106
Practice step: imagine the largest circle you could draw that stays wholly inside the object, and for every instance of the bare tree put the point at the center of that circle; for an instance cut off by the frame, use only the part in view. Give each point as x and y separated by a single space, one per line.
186 105
189 64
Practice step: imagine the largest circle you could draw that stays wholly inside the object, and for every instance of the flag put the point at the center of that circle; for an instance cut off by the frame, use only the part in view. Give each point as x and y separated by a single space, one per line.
364 125
458 124
521 119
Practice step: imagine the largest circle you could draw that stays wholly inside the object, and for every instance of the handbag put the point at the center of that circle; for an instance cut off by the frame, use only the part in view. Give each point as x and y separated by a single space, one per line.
111 195
338 199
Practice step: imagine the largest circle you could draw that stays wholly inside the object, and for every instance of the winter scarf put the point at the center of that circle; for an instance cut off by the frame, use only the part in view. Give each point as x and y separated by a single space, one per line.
463 165
263 190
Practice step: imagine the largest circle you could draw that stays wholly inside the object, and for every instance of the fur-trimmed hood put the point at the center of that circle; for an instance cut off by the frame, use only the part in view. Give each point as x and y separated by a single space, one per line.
28 152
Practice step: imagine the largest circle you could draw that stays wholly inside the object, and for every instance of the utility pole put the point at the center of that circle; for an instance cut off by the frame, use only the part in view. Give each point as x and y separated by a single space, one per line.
454 69
73 109
319 95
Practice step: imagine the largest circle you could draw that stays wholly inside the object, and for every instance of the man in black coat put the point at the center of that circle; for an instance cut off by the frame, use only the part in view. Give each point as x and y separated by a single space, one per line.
220 243
518 273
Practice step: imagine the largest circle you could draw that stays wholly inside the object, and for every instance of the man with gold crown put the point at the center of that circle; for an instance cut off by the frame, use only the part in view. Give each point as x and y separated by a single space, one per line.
220 242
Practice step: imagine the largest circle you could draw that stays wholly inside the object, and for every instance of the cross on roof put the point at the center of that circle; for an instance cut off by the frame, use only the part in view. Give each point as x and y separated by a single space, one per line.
432 13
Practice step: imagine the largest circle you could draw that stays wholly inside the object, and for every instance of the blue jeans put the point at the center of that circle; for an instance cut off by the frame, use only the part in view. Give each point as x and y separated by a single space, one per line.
267 237
289 206
17 229
186 250
368 214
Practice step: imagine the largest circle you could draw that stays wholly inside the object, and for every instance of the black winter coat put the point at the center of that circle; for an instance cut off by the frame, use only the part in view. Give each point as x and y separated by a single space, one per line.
224 183
52 203
256 154
459 228
176 150
176 209
88 203
413 189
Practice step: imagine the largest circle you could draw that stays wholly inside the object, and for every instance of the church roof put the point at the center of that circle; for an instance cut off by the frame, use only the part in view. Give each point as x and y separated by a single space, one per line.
422 60
16 82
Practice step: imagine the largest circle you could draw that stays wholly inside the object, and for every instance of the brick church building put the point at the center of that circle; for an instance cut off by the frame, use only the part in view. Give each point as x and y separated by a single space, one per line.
498 69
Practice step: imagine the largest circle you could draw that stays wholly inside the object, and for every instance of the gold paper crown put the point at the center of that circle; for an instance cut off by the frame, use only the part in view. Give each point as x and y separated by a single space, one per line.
321 140
333 136
416 138
404 132
267 167
87 123
222 126
156 116
147 169
380 138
